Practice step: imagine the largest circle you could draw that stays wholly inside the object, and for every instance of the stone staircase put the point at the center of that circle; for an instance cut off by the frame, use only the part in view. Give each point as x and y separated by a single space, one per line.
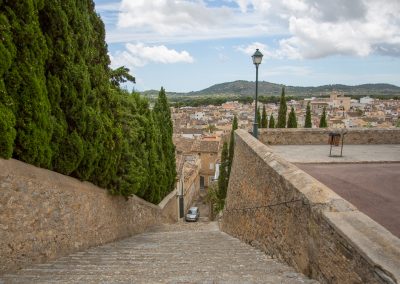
178 253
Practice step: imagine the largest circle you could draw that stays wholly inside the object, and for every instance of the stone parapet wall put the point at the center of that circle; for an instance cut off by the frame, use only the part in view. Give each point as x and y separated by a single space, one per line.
285 212
169 207
318 136
45 215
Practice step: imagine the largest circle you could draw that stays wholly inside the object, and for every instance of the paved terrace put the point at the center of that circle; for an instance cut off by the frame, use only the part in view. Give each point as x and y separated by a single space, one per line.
367 176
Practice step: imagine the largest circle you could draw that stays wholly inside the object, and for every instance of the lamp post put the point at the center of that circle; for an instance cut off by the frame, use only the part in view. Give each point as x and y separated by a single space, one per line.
257 58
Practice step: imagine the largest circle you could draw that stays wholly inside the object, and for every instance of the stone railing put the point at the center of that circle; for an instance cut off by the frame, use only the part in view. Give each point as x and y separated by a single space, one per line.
316 136
45 215
285 212
169 207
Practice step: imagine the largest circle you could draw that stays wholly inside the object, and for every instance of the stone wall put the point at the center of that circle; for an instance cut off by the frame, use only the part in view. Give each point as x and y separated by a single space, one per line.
280 209
44 215
317 136
192 191
169 207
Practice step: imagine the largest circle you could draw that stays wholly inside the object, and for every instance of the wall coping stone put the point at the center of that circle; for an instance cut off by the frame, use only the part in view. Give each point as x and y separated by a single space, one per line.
380 247
319 136
167 199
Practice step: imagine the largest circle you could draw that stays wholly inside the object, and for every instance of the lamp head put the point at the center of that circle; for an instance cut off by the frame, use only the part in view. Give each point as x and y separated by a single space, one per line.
257 57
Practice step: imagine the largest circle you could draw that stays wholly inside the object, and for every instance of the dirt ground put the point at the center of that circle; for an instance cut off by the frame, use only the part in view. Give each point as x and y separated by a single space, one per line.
373 188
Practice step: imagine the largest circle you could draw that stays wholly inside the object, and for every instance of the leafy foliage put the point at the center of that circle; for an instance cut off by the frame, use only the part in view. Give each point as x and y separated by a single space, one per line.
223 173
271 123
121 75
282 111
264 118
308 123
232 144
292 120
322 121
61 107
212 197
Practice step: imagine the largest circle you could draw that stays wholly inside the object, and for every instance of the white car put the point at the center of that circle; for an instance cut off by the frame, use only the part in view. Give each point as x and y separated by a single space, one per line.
193 214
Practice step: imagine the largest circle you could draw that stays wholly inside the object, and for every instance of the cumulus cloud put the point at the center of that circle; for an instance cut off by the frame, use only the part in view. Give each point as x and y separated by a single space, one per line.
137 55
168 16
306 28
359 27
159 21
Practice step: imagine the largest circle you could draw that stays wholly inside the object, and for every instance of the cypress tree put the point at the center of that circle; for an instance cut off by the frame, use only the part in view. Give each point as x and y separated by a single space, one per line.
25 83
282 111
308 123
131 175
322 122
163 119
223 173
271 121
292 121
61 106
264 119
232 144
258 117
7 117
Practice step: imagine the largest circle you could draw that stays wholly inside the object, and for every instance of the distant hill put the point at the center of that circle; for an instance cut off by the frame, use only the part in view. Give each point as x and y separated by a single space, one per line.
247 88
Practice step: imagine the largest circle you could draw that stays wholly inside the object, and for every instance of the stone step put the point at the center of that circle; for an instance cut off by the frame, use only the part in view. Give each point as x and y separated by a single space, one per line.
178 253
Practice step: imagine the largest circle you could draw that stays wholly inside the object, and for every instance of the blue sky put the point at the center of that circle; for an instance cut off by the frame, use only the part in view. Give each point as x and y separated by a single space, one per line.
188 45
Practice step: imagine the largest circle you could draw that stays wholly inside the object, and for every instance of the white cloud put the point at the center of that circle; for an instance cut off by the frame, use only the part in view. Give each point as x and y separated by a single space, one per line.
168 16
285 51
342 27
306 28
160 21
322 28
137 55
251 48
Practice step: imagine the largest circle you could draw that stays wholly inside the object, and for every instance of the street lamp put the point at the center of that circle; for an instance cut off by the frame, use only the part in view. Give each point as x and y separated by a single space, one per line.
257 58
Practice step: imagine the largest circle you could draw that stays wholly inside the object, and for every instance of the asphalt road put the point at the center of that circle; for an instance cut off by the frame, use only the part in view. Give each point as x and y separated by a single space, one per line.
373 188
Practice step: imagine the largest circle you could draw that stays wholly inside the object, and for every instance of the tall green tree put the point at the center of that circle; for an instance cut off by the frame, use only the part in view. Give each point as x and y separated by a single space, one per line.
62 108
292 120
121 75
223 173
164 122
25 83
7 106
308 123
271 121
282 111
264 118
322 121
259 117
232 144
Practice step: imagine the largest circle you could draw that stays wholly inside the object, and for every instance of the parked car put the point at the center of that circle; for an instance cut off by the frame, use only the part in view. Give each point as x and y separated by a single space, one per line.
193 214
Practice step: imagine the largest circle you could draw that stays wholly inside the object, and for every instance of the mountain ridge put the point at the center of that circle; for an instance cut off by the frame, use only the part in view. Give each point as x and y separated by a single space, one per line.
247 88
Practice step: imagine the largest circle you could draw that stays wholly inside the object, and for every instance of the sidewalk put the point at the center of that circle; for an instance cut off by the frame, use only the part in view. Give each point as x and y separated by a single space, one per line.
351 153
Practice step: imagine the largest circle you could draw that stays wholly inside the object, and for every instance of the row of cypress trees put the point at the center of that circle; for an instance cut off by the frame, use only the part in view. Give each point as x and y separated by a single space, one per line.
292 120
61 106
